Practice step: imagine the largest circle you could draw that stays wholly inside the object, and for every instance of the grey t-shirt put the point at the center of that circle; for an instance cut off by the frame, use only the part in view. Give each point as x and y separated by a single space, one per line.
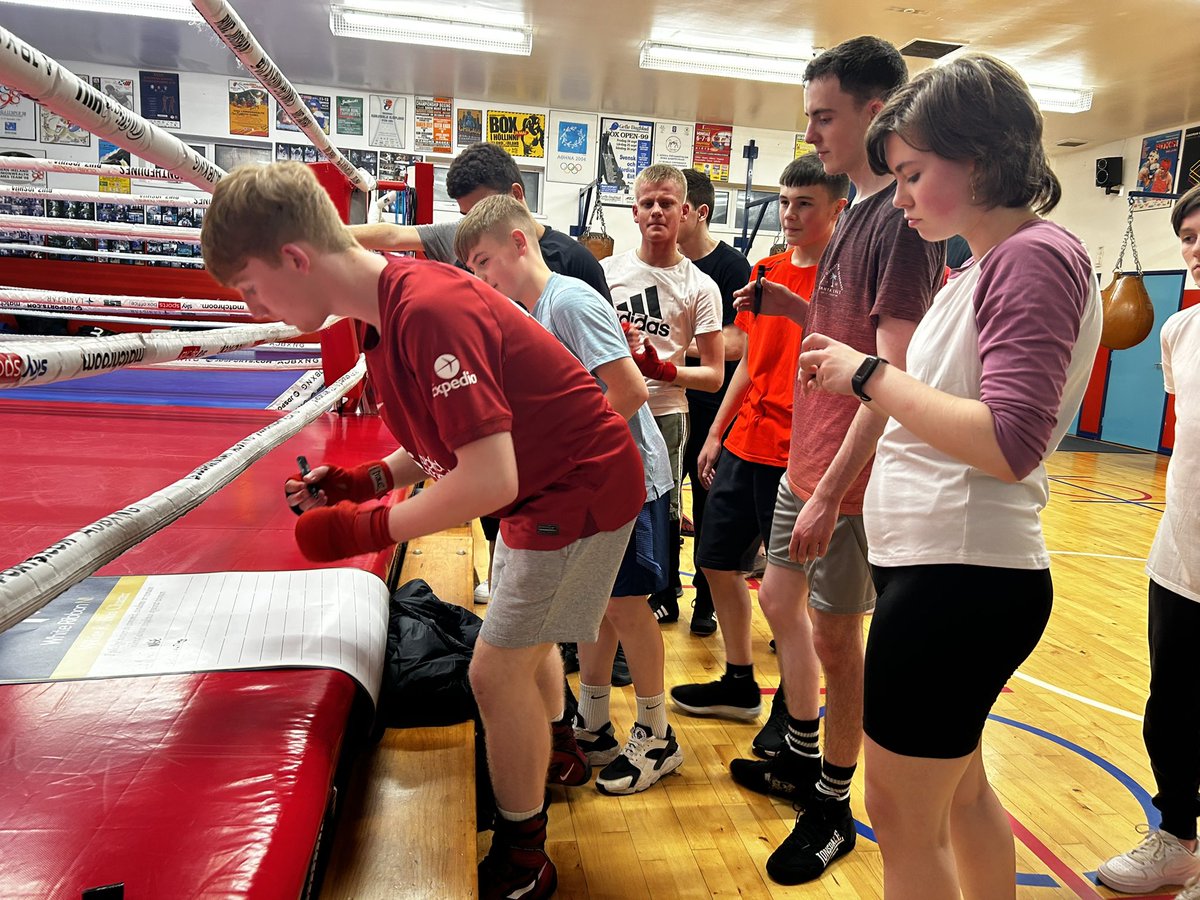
587 325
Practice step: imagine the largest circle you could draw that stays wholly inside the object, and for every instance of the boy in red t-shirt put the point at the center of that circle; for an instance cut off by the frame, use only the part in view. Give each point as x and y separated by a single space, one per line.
486 401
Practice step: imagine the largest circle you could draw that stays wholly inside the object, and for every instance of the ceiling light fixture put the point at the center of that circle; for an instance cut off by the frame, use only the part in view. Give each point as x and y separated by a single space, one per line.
180 10
1060 99
362 21
725 63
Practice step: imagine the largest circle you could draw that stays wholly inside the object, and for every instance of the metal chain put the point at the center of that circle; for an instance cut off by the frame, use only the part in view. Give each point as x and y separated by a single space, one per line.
598 210
1130 242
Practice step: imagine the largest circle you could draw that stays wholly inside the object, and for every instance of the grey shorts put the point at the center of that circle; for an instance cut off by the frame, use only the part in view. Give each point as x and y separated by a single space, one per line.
549 596
838 582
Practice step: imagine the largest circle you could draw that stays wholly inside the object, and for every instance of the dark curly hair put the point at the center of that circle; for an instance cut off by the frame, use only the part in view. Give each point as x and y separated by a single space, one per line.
482 165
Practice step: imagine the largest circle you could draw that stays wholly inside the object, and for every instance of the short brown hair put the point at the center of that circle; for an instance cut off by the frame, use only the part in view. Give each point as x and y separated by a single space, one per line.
256 209
975 108
661 173
1184 207
497 215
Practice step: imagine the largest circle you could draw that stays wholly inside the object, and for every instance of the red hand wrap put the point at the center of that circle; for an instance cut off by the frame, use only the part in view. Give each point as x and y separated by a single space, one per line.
365 482
652 367
328 533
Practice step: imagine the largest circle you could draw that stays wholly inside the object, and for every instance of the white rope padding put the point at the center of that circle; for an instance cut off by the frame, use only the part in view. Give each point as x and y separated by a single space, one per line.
41 193
119 319
38 249
69 301
137 173
35 74
300 392
40 363
30 585
238 365
92 229
230 28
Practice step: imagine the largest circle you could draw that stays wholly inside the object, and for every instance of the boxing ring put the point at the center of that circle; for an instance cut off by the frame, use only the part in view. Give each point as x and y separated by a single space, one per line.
151 746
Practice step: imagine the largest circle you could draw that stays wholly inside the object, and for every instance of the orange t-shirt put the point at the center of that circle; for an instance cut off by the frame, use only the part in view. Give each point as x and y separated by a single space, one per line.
762 430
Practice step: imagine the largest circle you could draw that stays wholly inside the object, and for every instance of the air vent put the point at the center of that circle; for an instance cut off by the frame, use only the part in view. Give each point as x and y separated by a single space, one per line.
1070 142
928 49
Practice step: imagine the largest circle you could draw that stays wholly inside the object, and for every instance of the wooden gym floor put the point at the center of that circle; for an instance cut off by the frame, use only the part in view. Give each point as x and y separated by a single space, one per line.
1063 746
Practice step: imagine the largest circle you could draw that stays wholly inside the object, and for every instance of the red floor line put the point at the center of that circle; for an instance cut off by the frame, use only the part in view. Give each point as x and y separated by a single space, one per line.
1071 879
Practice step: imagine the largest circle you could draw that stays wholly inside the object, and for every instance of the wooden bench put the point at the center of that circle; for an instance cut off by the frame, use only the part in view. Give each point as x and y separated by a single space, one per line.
407 826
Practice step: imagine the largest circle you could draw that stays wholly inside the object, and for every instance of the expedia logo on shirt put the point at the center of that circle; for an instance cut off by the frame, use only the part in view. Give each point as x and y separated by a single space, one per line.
644 312
450 370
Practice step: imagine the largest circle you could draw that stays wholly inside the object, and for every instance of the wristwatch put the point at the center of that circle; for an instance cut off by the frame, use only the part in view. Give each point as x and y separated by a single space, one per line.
865 371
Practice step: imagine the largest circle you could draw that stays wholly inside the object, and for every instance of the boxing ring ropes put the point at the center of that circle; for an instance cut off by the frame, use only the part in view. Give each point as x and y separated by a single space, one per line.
222 325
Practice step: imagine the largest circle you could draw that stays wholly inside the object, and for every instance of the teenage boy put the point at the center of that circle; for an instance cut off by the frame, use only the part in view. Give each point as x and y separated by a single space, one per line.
1168 855
483 399
729 270
668 304
497 241
875 281
482 170
744 477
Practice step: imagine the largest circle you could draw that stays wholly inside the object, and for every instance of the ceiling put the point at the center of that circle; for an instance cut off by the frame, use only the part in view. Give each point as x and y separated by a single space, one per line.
1142 60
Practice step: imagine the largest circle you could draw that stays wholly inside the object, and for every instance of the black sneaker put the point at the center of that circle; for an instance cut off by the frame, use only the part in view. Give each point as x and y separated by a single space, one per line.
704 620
823 832
788 776
517 864
770 740
727 698
665 606
620 669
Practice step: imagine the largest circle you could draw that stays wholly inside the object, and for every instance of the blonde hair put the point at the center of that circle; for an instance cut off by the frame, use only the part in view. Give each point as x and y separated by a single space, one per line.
497 215
661 173
256 209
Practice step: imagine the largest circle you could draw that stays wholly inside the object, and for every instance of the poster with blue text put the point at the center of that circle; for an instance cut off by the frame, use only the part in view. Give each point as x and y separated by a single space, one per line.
1156 169
625 148
160 98
571 148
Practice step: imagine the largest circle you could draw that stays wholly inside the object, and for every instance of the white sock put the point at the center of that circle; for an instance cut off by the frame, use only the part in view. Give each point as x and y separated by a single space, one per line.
652 712
593 705
518 816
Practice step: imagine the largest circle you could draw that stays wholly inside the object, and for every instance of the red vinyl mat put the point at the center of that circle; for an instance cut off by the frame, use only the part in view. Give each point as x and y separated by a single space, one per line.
205 785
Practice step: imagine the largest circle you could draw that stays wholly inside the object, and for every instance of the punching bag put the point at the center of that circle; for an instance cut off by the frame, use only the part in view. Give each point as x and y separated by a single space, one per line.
1128 312
598 242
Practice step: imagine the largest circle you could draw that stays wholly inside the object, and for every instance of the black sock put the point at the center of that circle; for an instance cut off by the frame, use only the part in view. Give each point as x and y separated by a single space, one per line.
746 671
835 780
802 739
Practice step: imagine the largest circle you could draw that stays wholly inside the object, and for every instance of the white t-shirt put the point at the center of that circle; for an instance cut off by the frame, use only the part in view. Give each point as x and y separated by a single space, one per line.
1017 330
671 306
1175 556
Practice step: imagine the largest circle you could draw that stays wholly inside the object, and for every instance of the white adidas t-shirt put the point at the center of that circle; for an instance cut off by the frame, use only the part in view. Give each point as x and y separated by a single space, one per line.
670 305
1175 556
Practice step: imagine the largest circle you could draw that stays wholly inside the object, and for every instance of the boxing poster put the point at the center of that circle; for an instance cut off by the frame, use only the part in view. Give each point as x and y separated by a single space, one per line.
119 90
57 130
522 135
571 147
394 166
317 105
1156 169
673 144
305 153
17 115
470 126
20 176
362 159
625 149
350 115
712 150
802 147
249 109
112 155
160 98
432 124
387 122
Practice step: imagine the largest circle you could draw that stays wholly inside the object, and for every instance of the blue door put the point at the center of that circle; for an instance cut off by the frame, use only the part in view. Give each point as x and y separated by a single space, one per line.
1134 400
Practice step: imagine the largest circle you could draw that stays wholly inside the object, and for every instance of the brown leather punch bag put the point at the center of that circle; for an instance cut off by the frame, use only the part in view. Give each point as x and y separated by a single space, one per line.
1128 312
598 242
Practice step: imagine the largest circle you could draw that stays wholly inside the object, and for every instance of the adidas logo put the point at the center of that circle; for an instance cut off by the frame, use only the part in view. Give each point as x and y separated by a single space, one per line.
830 849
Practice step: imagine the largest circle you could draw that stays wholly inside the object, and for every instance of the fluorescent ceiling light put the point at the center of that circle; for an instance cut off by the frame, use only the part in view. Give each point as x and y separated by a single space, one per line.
1060 99
726 63
180 10
361 21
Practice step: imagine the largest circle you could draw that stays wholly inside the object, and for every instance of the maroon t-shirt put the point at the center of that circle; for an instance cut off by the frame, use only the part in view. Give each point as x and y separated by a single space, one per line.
455 361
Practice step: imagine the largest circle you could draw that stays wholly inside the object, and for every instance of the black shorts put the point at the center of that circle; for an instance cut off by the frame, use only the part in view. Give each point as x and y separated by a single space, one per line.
647 556
491 527
738 512
952 635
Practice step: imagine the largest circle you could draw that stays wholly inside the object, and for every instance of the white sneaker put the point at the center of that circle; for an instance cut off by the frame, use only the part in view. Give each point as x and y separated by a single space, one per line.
1158 860
643 761
483 593
1191 891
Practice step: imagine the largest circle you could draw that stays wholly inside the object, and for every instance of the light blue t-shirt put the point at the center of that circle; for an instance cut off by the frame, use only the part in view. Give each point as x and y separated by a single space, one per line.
587 325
